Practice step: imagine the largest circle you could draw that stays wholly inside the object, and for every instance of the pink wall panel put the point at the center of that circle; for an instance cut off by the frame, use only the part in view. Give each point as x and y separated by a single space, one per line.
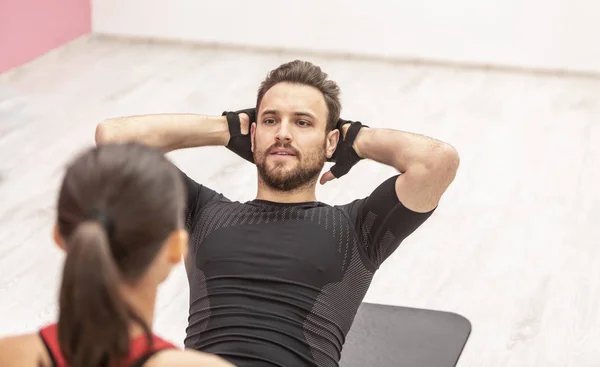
30 28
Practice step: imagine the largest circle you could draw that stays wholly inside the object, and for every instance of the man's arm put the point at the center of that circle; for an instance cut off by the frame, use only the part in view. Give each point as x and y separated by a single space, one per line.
382 222
428 166
168 132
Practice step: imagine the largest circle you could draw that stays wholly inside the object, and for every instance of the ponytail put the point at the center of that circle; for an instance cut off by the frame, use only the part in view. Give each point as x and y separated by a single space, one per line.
93 326
113 216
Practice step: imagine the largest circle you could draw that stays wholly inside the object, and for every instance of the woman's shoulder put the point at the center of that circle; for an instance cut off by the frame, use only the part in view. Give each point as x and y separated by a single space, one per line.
186 358
23 350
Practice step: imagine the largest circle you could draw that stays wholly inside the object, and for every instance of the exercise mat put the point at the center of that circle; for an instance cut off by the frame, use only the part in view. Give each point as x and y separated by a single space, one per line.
386 336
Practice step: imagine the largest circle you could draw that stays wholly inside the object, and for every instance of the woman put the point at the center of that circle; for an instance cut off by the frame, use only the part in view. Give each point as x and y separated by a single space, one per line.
121 223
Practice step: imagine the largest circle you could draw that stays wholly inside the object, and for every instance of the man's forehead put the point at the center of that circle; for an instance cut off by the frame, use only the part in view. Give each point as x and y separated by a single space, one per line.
299 100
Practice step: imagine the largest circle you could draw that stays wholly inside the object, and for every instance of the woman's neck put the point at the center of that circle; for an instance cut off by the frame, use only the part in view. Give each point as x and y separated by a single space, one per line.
142 300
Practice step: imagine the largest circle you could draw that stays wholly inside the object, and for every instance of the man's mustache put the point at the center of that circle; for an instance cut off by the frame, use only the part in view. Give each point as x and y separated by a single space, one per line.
287 147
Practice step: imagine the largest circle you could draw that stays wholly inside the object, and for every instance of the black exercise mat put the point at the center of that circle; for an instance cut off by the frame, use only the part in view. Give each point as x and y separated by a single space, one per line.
386 336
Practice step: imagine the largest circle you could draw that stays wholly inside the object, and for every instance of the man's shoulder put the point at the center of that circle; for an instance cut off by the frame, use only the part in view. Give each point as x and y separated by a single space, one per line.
351 209
259 208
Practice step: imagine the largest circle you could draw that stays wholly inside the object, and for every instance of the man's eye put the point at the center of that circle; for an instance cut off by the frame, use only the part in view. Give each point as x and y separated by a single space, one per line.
303 123
269 121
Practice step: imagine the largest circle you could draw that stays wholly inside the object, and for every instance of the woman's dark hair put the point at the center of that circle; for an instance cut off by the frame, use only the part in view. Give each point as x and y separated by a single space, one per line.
117 205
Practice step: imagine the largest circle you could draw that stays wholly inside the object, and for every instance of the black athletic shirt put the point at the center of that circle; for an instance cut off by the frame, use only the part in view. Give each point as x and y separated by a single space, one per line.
275 284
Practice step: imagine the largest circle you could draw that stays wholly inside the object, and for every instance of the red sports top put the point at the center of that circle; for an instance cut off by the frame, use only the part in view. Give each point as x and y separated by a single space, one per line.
139 350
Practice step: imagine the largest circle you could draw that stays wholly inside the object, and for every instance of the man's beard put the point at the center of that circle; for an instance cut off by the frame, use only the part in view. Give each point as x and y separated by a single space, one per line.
304 174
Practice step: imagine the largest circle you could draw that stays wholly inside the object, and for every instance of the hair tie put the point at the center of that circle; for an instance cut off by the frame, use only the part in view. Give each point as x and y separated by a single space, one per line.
104 220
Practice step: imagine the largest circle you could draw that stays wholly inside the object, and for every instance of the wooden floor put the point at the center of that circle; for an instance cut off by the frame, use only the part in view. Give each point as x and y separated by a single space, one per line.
514 245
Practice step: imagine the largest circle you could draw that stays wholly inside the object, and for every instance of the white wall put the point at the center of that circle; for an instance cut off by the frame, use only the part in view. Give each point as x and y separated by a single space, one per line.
548 34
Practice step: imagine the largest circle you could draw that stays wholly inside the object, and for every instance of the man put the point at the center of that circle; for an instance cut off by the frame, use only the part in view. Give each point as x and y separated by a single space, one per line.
277 281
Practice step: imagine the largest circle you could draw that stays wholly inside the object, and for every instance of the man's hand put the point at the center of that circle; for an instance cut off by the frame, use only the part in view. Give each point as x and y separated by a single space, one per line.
345 156
239 132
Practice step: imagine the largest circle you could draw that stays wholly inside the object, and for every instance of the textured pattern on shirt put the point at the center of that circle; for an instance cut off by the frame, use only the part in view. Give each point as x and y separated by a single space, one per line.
323 300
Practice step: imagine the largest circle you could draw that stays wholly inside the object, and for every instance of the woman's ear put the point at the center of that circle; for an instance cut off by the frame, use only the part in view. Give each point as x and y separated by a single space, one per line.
58 239
177 245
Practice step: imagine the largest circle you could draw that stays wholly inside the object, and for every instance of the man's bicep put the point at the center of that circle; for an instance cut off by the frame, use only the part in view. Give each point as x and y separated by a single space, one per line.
383 222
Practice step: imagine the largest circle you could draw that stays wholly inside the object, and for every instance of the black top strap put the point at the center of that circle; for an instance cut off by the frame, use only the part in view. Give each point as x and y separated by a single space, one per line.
49 350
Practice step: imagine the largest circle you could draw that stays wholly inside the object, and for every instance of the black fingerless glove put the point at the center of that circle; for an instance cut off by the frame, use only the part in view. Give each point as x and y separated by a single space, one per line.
345 156
239 143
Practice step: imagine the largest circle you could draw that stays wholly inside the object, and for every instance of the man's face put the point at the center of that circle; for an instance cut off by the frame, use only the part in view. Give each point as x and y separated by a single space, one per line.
289 140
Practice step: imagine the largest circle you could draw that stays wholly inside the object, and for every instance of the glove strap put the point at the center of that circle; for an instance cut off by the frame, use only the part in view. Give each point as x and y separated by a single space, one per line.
233 123
352 132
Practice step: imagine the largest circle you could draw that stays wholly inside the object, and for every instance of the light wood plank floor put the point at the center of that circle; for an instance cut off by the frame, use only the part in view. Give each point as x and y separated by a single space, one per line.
514 246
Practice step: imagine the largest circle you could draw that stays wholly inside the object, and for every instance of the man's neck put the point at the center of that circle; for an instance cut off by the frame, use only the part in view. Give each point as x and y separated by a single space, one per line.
300 195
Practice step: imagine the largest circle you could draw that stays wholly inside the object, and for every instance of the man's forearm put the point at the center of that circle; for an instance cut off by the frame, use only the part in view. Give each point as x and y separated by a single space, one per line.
403 150
165 131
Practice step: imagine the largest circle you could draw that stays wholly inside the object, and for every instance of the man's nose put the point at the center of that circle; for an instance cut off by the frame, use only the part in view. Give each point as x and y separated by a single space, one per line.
283 134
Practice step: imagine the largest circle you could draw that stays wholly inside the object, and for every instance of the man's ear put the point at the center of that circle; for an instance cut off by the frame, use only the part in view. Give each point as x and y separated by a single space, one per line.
333 138
58 239
252 134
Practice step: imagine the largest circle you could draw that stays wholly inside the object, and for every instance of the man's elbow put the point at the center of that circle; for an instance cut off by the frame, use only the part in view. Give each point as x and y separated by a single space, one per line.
105 132
450 158
444 162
